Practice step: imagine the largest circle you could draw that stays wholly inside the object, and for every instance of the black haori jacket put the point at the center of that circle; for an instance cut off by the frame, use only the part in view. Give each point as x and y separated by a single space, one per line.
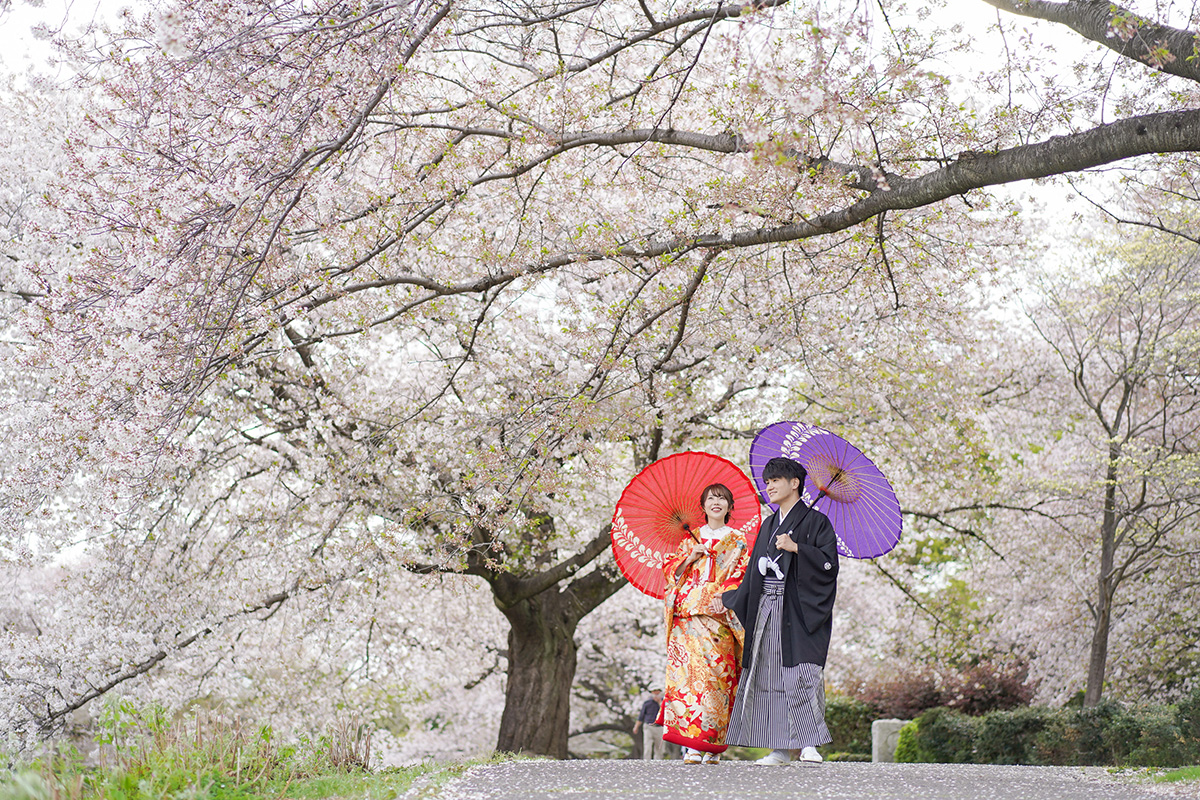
809 591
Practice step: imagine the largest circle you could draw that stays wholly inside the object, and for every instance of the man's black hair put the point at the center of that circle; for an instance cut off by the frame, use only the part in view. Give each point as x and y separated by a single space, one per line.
786 468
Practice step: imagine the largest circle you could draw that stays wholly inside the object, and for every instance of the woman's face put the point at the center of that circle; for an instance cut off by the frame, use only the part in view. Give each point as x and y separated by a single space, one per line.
715 506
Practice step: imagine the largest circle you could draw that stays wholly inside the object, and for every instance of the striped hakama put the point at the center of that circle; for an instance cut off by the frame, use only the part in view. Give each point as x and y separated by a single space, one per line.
776 706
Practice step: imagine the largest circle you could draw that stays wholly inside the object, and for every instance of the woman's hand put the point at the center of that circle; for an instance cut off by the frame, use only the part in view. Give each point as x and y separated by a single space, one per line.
784 542
717 606
699 551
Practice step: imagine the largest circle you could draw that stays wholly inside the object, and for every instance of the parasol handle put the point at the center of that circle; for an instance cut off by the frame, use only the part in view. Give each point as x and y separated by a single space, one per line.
837 473
696 538
820 494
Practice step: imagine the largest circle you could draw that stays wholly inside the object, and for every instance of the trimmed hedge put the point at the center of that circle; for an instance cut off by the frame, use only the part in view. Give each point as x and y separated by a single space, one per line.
1106 735
973 688
849 722
1187 715
906 744
1009 737
946 736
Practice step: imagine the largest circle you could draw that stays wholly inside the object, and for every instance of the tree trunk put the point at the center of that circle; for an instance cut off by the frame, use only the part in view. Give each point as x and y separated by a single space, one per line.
1098 657
541 669
543 614
1106 589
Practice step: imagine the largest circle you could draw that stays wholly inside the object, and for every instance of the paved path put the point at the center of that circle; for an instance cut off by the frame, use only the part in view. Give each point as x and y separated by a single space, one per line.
633 780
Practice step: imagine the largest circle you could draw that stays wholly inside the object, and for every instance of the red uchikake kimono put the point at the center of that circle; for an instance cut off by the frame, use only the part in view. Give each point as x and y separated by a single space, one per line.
704 651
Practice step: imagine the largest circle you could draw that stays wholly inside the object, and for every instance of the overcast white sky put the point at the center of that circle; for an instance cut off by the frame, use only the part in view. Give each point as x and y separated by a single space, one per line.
20 49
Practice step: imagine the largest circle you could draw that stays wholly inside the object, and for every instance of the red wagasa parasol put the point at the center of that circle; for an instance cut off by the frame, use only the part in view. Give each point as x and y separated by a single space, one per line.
661 507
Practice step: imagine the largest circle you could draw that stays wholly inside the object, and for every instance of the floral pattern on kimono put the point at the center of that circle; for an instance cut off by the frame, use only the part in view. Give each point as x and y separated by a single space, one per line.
704 650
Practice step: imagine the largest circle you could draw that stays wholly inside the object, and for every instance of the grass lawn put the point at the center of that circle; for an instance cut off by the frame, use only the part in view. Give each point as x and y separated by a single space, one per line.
145 755
36 782
1181 774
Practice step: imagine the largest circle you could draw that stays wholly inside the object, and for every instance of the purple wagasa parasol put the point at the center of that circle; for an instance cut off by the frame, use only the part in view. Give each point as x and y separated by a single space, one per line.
847 486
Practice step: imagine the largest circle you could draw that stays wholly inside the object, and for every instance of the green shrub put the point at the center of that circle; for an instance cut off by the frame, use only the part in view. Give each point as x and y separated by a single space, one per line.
1011 737
946 736
1105 735
1102 735
849 721
1057 743
1187 716
1098 732
908 750
1159 743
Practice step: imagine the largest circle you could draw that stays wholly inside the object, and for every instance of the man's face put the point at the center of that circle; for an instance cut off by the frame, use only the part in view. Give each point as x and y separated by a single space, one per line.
781 488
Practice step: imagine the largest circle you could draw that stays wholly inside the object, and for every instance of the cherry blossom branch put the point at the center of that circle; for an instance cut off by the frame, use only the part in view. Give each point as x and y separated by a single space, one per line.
595 587
1171 50
1173 131
26 296
269 603
318 154
1156 225
488 672
939 517
686 304
599 375
899 584
466 355
1166 132
511 590
708 16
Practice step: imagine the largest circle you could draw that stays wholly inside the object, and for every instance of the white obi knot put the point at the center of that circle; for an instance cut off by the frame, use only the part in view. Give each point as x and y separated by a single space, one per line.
765 563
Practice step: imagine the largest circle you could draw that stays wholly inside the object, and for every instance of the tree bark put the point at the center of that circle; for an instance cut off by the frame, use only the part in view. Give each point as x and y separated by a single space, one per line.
1105 588
543 611
1138 38
541 670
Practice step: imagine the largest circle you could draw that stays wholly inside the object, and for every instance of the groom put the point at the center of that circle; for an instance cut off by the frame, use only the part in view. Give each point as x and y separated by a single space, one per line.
785 604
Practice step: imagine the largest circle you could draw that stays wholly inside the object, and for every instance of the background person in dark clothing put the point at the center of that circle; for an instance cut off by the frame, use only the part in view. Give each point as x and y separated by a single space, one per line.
653 745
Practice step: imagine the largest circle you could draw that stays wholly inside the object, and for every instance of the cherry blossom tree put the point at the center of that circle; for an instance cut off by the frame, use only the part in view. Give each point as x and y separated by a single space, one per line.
340 93
383 286
1127 343
1079 554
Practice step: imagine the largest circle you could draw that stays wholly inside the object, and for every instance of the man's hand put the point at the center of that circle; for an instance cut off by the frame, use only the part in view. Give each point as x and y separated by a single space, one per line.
784 542
717 606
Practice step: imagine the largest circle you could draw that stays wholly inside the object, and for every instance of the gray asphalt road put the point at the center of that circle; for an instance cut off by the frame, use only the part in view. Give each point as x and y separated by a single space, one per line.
618 780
